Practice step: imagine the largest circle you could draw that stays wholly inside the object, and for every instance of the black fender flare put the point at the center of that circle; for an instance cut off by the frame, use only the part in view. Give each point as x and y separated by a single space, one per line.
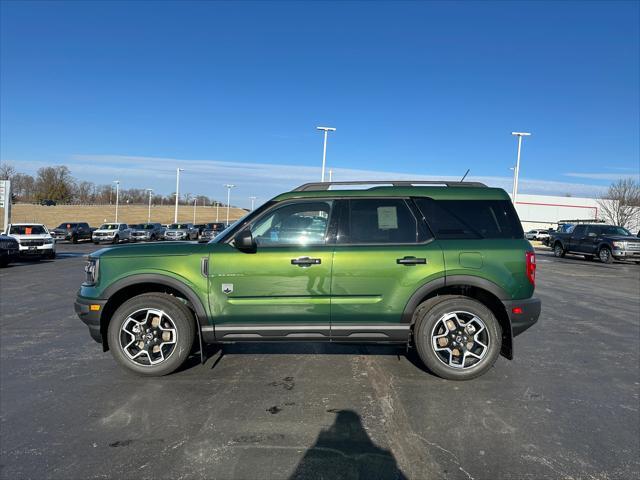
160 279
450 281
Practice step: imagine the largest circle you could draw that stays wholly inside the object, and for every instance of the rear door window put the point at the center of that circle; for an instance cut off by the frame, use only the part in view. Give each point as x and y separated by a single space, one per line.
380 221
470 219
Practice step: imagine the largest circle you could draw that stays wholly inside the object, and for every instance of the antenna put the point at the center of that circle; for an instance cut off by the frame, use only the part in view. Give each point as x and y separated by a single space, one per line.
465 174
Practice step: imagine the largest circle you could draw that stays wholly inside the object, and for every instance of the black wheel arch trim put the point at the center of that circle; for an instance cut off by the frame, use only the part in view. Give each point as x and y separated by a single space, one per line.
194 300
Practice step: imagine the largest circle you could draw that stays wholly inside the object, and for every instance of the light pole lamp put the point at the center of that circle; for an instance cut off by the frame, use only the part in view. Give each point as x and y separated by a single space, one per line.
117 182
516 172
253 199
324 150
175 215
149 214
229 187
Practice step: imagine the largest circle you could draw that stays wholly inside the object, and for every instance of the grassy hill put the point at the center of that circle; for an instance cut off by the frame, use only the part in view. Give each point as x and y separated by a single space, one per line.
98 214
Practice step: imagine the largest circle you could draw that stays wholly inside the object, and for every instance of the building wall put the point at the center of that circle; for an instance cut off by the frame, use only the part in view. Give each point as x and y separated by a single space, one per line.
544 211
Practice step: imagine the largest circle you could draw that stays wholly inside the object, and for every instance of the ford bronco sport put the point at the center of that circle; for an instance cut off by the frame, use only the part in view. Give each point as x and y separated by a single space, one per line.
442 266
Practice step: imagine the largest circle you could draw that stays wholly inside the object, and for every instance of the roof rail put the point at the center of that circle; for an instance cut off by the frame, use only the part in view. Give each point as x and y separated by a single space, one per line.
395 183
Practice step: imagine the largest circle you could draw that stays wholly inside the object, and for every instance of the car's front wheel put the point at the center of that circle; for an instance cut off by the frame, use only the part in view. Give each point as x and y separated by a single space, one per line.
151 334
457 337
558 251
605 255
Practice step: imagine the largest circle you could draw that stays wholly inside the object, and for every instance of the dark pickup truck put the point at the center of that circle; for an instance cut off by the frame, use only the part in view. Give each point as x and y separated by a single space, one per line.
72 231
607 242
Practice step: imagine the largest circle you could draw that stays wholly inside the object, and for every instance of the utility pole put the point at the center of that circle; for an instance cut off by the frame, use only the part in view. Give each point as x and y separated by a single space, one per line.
330 175
253 199
117 182
516 172
149 215
324 150
175 215
217 210
229 187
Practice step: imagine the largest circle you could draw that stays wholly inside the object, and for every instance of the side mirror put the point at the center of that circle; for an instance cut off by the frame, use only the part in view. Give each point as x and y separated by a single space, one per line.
244 241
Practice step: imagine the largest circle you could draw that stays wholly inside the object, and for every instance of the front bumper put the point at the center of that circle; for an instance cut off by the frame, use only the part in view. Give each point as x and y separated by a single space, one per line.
101 238
46 249
623 254
91 318
523 313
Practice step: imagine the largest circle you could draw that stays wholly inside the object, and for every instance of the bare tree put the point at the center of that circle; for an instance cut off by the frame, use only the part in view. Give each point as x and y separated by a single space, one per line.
7 171
621 203
55 183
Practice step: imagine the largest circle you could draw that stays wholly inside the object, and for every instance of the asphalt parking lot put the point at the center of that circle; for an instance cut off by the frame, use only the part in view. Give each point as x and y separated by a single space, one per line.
566 407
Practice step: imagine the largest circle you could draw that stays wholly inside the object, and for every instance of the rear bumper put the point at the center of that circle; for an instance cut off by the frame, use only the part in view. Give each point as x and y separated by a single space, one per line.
91 318
523 313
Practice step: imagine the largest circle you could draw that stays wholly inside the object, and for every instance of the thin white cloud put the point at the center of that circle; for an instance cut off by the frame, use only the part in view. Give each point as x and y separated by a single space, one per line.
605 175
263 180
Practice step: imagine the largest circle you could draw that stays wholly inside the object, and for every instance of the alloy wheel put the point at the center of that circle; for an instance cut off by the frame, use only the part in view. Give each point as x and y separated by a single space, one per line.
460 339
148 337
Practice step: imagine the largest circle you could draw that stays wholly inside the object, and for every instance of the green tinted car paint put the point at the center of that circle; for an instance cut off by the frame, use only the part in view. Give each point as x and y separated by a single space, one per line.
344 278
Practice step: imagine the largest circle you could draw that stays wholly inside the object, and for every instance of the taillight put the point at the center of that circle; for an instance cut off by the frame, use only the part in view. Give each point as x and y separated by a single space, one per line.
531 267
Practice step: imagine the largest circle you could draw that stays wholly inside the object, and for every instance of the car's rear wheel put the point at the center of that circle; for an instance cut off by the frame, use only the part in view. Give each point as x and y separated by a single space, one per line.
151 334
558 251
605 255
457 337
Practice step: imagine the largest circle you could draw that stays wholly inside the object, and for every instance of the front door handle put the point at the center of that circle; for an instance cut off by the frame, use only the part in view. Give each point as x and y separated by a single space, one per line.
411 261
305 261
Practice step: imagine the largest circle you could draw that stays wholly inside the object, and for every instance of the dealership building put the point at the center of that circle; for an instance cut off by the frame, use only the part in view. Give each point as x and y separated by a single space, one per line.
545 211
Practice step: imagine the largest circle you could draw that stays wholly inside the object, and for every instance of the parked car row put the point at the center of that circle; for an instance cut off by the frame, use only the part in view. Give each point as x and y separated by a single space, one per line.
149 232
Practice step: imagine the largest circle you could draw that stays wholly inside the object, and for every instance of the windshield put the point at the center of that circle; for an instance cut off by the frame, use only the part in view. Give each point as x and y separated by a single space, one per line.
136 225
67 226
616 231
179 226
28 230
109 226
148 226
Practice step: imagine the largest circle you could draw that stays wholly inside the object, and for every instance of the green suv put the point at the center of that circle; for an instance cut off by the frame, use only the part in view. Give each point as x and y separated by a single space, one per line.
442 266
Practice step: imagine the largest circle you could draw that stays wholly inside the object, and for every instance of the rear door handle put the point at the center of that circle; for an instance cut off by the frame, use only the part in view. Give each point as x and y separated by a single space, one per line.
305 261
411 261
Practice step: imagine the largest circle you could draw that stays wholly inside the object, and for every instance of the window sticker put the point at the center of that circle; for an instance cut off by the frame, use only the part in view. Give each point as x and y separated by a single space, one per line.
28 230
387 218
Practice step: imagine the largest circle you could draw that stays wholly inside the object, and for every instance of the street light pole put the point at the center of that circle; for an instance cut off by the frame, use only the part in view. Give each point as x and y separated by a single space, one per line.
117 182
229 187
516 172
217 210
253 199
175 215
324 150
195 202
331 175
149 215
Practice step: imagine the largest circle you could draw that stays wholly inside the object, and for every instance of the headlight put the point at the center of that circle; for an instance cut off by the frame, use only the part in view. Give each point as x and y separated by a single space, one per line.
48 240
619 244
91 271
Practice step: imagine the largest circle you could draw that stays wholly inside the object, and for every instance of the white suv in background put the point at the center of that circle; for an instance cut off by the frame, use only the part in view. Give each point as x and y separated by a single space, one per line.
33 239
111 233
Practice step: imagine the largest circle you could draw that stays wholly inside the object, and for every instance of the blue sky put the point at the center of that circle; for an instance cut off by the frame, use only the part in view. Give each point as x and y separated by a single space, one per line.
233 92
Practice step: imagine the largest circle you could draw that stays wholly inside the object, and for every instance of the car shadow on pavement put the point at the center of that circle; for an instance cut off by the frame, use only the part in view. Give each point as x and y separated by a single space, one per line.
344 450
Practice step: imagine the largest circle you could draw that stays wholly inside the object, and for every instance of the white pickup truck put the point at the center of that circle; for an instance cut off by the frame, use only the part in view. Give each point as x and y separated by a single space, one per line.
111 233
34 239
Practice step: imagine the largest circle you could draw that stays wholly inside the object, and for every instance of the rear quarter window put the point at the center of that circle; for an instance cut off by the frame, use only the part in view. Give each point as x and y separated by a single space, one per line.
470 219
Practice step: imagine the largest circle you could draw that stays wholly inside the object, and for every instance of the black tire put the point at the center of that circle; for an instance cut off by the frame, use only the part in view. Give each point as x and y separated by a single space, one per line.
431 313
558 251
4 262
153 238
116 240
605 255
588 257
74 239
51 255
96 243
178 313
